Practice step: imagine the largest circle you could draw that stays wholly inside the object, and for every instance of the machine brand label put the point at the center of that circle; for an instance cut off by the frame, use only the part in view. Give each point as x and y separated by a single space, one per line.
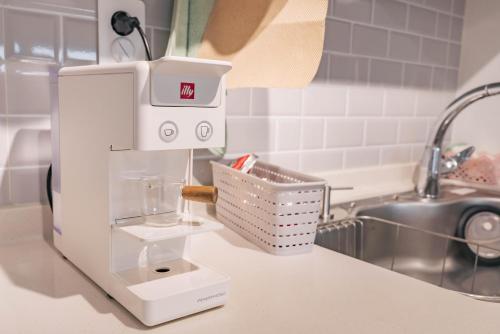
208 298
187 90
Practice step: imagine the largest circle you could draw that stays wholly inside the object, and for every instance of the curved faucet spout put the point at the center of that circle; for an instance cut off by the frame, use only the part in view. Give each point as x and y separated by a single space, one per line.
428 173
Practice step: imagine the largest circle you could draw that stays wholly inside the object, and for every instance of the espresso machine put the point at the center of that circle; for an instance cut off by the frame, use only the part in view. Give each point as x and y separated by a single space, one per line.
123 154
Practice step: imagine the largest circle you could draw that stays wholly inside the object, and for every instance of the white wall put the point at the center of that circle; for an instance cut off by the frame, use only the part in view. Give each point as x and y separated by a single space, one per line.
480 64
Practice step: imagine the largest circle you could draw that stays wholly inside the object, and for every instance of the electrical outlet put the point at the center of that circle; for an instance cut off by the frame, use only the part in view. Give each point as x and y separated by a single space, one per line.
113 48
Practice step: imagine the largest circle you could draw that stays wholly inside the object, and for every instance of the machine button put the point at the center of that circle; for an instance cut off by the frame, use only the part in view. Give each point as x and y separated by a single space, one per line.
204 131
168 131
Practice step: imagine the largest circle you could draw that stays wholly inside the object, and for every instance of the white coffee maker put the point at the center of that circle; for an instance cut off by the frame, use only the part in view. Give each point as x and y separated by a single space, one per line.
124 136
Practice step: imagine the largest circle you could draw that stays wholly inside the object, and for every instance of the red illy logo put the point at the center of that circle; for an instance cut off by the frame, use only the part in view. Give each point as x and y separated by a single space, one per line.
187 90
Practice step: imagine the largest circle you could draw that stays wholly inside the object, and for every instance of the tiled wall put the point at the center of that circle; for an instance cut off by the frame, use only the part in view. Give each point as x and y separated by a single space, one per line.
36 39
388 67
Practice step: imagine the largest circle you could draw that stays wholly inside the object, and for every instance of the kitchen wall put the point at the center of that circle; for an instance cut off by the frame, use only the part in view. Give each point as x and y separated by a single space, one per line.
478 125
36 39
388 68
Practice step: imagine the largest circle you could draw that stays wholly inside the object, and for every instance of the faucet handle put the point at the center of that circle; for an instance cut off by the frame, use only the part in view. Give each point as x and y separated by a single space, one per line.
325 215
452 163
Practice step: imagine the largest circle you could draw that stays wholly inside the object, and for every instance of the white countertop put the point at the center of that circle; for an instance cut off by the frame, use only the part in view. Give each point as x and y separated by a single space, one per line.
320 292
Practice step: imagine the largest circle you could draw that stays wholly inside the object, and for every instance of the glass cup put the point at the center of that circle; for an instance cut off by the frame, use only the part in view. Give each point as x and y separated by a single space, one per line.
152 195
162 202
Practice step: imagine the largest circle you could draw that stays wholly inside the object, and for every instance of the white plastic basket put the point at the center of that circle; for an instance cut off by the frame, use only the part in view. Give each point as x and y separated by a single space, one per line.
275 208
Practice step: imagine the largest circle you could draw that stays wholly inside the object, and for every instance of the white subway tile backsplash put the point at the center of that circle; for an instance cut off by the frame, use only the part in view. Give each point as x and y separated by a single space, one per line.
238 102
28 185
337 36
250 135
80 41
348 69
344 132
390 13
319 161
288 134
325 100
286 160
369 41
459 7
456 29
29 140
312 133
396 155
444 5
422 21
386 72
361 157
159 13
354 10
365 101
416 152
434 51
443 26
400 102
36 80
41 42
322 72
432 103
412 131
444 79
276 101
381 131
418 76
451 80
404 46
371 91
439 78
75 7
453 55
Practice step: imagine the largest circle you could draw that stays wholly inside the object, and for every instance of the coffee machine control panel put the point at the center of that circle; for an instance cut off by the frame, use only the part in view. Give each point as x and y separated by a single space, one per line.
180 81
186 106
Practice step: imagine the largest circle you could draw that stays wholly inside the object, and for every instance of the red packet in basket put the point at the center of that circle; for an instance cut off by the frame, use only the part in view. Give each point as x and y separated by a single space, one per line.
244 163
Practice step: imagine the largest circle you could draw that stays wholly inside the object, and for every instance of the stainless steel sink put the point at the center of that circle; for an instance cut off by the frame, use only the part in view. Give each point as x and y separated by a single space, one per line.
419 238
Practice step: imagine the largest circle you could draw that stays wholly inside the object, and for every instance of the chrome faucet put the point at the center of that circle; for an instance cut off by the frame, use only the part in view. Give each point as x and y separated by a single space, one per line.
432 166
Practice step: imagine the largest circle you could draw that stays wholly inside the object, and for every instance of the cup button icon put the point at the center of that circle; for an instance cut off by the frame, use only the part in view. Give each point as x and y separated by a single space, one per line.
168 131
204 131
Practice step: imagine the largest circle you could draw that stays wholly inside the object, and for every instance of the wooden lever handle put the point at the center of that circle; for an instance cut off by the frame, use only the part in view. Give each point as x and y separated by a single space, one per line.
203 194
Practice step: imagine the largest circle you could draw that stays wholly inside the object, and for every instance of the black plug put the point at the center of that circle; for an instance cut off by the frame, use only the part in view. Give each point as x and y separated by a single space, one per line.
124 24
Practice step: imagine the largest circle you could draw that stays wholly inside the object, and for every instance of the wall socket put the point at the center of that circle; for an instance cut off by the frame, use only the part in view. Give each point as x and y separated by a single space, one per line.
113 48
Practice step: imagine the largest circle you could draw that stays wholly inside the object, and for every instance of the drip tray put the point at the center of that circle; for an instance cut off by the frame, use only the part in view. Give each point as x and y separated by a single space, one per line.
150 273
188 225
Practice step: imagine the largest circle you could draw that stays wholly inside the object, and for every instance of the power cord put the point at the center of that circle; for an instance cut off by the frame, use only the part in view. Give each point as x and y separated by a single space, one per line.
124 24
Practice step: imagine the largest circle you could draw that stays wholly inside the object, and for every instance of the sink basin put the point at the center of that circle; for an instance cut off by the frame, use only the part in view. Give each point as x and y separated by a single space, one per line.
421 238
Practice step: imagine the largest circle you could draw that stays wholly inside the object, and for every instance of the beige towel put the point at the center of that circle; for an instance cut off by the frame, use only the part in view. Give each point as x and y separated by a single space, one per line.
271 43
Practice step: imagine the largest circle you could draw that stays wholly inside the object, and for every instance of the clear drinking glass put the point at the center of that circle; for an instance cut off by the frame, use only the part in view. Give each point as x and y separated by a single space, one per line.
152 195
162 202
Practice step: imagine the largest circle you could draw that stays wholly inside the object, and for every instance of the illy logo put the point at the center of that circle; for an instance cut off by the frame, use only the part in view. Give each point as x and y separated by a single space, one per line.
187 90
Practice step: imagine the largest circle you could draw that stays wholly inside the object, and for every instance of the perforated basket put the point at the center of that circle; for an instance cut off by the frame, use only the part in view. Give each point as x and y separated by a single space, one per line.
275 208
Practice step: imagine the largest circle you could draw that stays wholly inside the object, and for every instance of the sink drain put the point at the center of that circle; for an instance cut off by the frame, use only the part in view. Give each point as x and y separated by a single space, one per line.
162 270
482 225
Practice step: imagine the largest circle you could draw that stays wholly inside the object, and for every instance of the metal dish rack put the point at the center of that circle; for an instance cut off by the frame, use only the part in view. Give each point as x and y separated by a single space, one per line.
440 259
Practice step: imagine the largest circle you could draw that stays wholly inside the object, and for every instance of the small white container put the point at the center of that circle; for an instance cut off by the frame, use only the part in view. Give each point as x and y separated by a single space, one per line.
275 208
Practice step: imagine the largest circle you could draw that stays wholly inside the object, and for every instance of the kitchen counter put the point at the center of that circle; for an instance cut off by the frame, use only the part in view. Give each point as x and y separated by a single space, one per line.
320 292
